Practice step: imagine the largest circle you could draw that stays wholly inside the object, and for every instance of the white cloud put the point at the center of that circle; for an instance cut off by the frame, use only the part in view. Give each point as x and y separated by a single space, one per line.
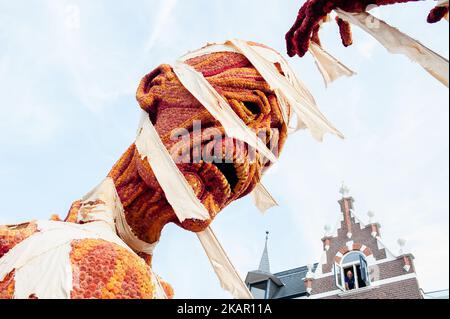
37 123
72 12
163 18
367 48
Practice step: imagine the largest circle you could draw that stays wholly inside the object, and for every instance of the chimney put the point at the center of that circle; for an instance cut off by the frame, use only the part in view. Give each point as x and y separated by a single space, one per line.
309 279
408 259
374 225
326 240
346 204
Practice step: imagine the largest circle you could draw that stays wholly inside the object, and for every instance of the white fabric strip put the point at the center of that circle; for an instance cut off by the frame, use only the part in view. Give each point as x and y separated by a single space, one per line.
104 211
219 108
274 57
48 276
312 118
330 68
397 42
159 291
112 212
42 261
225 271
208 49
179 193
262 199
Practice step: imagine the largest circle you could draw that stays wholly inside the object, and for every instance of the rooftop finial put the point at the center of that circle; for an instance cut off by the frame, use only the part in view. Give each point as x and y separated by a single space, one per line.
371 215
402 243
267 235
327 229
344 190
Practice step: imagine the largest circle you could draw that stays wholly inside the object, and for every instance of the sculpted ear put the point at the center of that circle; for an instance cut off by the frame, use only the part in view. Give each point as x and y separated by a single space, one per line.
148 98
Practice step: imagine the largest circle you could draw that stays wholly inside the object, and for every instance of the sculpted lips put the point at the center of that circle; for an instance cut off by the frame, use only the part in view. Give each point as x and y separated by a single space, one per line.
233 166
221 172
218 179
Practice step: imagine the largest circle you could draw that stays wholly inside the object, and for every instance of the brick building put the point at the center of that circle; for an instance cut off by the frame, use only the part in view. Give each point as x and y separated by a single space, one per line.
355 264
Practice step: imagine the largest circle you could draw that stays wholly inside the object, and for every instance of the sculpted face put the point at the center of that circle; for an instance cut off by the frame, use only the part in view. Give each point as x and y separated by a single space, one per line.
219 168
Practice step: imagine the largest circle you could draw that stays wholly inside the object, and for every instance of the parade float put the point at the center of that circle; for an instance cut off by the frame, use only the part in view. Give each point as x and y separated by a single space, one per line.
212 124
244 98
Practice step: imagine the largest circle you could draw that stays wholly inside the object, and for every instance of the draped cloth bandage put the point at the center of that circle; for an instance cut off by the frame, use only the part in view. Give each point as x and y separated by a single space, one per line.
103 204
397 42
391 38
304 35
262 199
306 110
179 193
224 269
219 108
329 67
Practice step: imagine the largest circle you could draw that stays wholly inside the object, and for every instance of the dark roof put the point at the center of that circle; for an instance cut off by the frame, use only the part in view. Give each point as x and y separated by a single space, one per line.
292 282
258 276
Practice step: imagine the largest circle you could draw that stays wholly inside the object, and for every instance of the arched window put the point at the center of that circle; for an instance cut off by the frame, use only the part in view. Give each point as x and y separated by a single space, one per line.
352 273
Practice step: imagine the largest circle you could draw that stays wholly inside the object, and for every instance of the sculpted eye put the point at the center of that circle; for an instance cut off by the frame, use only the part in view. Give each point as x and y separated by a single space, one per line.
253 107
149 80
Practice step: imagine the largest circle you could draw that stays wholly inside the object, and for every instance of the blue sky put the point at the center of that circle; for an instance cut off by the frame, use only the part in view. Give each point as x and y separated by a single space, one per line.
68 74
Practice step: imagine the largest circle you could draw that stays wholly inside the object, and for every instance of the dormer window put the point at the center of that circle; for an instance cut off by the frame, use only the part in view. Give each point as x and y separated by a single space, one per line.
352 273
259 290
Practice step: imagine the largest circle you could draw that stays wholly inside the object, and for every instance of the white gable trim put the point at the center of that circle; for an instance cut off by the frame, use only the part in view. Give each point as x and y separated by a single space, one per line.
382 245
358 220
